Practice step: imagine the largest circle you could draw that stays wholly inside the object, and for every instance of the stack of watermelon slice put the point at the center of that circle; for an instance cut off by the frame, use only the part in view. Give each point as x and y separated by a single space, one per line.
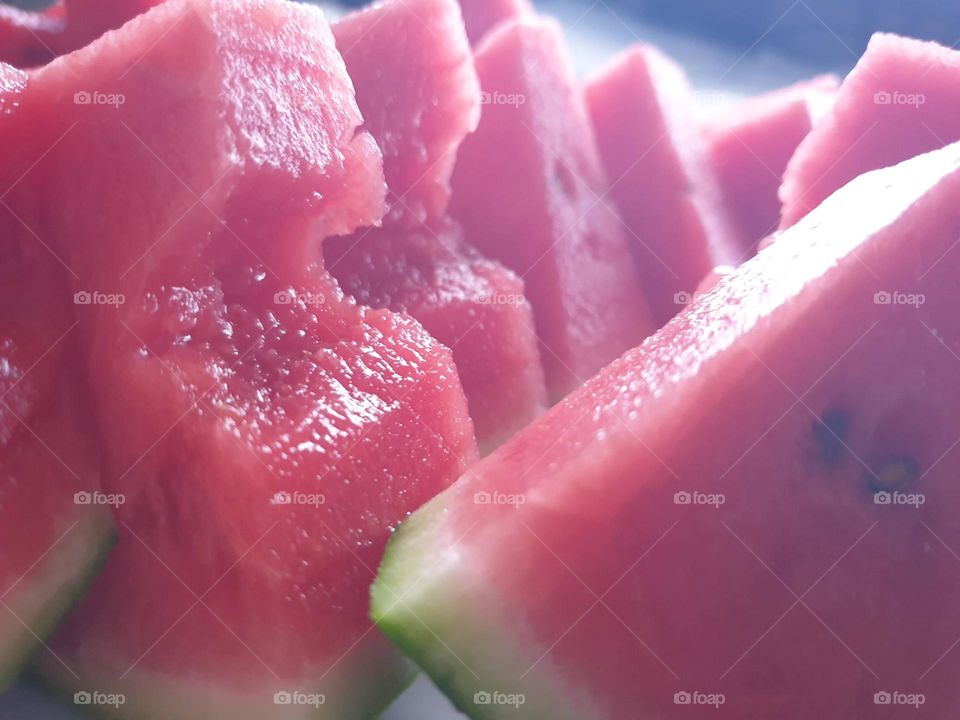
270 286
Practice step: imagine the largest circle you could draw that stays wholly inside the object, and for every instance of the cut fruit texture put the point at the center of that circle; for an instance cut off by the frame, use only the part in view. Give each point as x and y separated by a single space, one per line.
29 39
644 116
526 189
419 108
420 105
482 16
749 148
899 101
54 531
718 519
267 433
470 304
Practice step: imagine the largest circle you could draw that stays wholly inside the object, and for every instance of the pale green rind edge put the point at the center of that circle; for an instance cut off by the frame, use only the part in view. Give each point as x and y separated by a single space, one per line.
455 640
102 535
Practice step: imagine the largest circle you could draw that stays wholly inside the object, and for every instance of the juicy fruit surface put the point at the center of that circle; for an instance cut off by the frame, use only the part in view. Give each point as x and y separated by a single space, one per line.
806 540
643 114
482 16
48 541
898 102
527 190
750 151
473 306
267 433
418 108
29 39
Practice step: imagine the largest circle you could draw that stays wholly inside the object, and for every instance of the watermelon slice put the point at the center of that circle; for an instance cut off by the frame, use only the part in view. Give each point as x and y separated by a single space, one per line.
481 16
527 187
643 113
266 432
29 39
419 108
752 512
750 146
55 525
899 101
474 306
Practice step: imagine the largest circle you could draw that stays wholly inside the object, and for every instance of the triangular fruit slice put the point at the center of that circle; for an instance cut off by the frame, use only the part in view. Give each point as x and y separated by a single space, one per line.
527 188
267 433
31 38
644 116
482 16
899 101
419 108
55 526
753 512
750 145
474 306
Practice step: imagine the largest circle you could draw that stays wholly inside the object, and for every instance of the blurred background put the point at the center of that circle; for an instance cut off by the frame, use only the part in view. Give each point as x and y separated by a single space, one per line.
730 48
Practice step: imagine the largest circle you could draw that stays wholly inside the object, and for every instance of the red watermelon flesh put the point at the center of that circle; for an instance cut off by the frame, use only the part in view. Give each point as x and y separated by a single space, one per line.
472 305
267 433
643 113
54 526
419 108
752 512
750 145
527 189
481 16
29 39
899 101
420 104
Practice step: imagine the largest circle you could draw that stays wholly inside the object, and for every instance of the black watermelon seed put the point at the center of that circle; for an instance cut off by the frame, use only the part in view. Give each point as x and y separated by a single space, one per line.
830 432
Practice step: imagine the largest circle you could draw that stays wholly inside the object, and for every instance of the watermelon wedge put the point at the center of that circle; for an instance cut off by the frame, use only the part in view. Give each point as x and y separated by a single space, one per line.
526 188
749 148
55 525
29 39
419 108
899 101
481 16
474 306
644 116
796 560
266 432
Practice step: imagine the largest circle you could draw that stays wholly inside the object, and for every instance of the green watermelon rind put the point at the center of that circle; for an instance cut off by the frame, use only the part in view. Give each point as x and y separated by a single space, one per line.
101 535
448 642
